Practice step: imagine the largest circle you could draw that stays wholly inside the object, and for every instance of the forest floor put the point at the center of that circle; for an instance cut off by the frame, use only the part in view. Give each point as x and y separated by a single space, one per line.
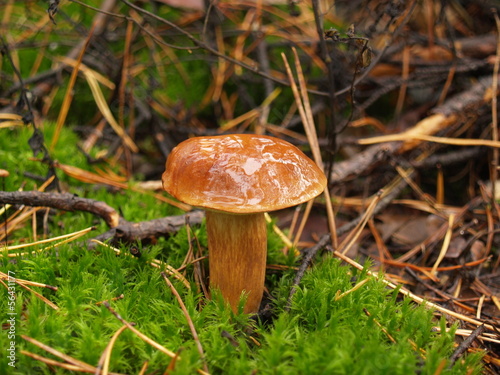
395 100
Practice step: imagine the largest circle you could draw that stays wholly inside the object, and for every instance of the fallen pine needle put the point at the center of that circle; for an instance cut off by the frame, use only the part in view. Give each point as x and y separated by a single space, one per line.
103 365
4 276
429 138
74 236
48 240
39 296
67 358
356 287
52 362
141 335
189 320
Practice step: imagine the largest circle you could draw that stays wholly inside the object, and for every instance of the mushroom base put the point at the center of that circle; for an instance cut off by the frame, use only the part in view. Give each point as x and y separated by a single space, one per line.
237 247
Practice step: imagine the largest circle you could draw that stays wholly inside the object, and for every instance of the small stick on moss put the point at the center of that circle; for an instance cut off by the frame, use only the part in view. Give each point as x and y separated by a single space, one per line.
120 228
62 201
466 344
382 328
121 296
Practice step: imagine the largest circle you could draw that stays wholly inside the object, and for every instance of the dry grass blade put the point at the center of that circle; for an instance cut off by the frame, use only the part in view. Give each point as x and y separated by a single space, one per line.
429 138
24 212
17 218
68 98
353 236
303 105
189 320
427 126
51 362
106 112
404 78
171 365
220 73
142 336
9 124
382 328
491 337
312 136
302 224
103 365
496 301
11 119
405 174
446 244
494 116
253 113
278 231
74 236
48 240
250 115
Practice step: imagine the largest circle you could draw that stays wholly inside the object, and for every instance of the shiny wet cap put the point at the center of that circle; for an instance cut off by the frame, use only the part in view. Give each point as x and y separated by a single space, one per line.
241 173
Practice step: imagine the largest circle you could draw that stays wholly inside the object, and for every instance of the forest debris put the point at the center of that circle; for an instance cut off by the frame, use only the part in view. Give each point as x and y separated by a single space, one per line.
462 348
144 230
443 116
24 284
416 298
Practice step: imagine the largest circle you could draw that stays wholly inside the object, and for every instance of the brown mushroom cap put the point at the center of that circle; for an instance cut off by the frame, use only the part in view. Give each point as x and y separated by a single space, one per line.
241 173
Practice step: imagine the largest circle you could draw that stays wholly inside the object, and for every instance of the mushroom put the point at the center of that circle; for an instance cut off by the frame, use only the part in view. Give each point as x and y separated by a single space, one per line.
237 178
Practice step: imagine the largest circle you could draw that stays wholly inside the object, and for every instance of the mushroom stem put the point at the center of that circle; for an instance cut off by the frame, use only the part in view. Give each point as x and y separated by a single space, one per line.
237 246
